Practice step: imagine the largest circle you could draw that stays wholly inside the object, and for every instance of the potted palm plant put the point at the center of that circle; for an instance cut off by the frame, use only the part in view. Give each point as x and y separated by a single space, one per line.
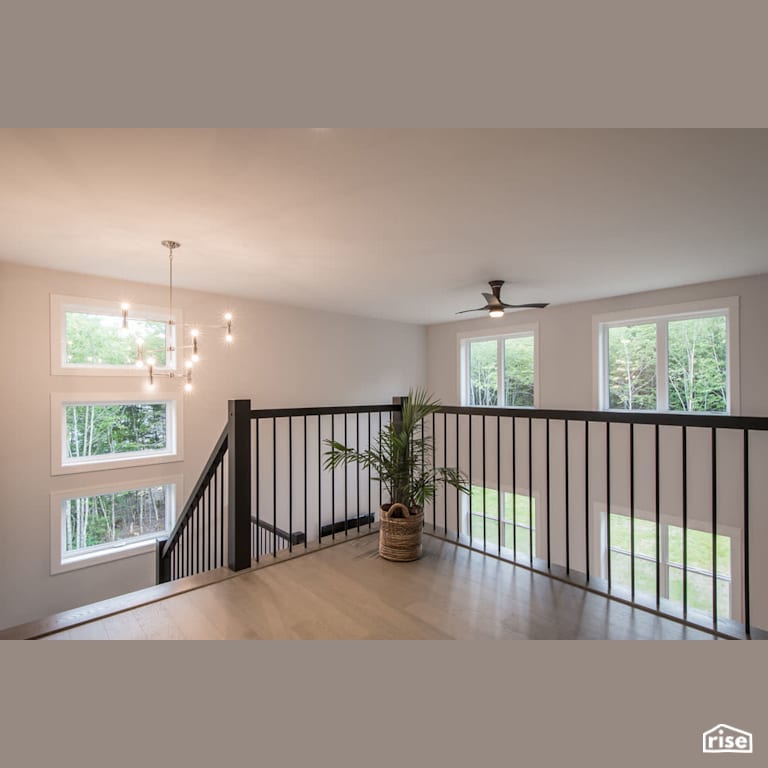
402 458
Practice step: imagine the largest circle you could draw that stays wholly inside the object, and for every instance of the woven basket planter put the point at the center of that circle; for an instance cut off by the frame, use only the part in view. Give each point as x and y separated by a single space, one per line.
400 532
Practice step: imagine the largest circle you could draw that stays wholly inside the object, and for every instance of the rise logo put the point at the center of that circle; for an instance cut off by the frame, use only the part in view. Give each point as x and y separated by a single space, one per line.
726 738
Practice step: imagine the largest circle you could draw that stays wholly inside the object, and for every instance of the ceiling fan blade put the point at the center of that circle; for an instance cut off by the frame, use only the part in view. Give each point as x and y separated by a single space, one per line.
479 309
538 305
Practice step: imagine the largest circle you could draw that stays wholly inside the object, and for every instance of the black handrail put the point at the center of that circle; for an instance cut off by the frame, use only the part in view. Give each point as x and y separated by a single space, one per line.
706 420
331 410
296 537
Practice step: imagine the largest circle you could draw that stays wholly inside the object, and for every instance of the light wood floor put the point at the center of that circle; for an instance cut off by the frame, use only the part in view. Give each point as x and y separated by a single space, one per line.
348 592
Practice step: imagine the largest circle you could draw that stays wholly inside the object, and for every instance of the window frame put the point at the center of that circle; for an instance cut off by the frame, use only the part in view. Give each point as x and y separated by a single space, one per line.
61 304
118 551
174 432
665 521
466 501
661 316
465 340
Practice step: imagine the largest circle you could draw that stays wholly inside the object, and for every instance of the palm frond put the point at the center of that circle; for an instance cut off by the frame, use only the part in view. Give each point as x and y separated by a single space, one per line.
402 455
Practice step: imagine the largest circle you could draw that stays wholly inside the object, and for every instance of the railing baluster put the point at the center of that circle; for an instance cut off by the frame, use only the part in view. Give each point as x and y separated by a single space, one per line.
567 502
215 481
608 498
257 478
333 484
657 504
274 479
346 481
485 489
290 484
434 498
587 504
714 527
499 492
469 476
319 480
530 491
357 469
685 525
745 450
549 541
208 512
458 492
221 499
370 501
445 464
514 488
632 509
306 475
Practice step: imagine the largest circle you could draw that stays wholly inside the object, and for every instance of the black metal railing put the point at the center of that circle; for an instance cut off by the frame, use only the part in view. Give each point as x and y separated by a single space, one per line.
197 541
675 487
266 538
292 489
264 488
214 526
654 510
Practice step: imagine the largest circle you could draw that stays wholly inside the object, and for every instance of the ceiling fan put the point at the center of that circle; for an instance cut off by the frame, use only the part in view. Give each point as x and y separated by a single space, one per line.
496 306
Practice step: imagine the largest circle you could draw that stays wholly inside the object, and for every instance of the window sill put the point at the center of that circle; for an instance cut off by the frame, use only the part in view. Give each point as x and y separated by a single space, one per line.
112 463
86 560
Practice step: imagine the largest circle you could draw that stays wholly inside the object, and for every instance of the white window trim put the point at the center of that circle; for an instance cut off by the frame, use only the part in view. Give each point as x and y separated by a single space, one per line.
174 432
526 329
61 304
467 514
728 305
62 564
703 526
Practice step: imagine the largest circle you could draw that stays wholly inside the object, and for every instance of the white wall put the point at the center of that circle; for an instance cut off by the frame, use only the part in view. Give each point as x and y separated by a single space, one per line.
565 343
281 357
567 381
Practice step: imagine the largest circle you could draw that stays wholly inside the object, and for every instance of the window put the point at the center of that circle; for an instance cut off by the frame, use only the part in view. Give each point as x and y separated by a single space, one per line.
699 564
92 432
500 370
102 524
518 516
678 359
88 338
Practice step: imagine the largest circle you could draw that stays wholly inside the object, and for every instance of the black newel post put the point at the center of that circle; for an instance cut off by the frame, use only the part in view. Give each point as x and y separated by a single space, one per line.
163 572
239 521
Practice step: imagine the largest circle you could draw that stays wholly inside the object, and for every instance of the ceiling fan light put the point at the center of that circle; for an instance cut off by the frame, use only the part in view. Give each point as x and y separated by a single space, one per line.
496 313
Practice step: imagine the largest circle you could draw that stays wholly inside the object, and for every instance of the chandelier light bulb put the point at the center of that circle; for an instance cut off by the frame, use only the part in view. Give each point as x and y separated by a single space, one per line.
228 338
123 331
187 387
228 317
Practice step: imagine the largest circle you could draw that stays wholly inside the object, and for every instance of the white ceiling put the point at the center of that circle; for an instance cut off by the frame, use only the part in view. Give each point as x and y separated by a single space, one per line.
400 224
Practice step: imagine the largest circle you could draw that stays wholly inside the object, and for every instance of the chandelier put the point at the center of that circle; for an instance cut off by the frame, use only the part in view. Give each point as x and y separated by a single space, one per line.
150 363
